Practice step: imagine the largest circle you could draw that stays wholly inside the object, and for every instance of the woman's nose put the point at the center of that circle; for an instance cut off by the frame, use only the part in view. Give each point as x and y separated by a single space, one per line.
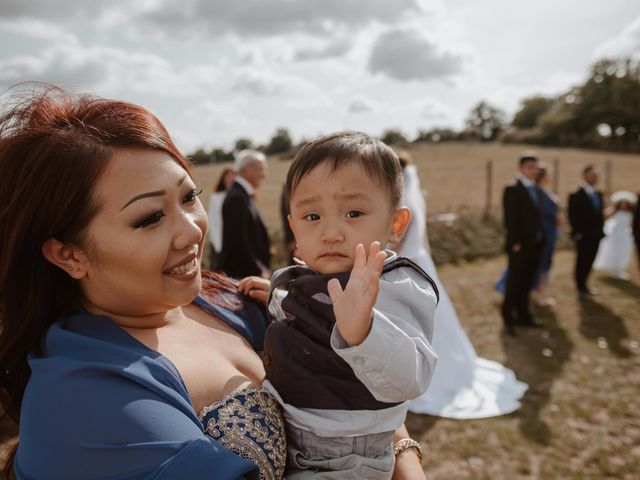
190 230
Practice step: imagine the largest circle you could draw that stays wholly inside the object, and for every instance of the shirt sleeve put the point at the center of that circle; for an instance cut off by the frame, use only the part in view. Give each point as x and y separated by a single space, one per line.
396 361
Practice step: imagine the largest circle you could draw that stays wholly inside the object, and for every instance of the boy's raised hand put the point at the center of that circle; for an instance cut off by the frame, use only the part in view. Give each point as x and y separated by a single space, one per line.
353 306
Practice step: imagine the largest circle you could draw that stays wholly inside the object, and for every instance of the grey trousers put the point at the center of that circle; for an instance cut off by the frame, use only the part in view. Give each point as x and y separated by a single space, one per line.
311 457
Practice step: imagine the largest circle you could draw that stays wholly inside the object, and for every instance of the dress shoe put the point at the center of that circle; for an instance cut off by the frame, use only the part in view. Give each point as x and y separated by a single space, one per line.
589 292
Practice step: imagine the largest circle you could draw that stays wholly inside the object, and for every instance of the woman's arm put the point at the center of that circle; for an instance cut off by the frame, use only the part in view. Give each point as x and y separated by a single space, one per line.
408 465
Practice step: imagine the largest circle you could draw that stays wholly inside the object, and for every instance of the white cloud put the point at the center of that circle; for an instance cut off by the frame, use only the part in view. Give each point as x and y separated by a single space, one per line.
407 55
334 48
434 109
626 43
271 17
106 69
37 29
263 81
64 9
362 105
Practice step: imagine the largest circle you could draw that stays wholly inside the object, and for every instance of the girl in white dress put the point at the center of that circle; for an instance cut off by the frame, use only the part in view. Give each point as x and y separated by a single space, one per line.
614 252
464 386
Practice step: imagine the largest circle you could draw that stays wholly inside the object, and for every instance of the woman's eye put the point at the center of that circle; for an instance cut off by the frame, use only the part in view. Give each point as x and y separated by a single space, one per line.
191 196
150 220
312 217
354 214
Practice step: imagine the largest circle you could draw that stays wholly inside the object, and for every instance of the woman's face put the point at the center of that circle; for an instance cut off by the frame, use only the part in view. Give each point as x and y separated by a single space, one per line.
229 178
146 240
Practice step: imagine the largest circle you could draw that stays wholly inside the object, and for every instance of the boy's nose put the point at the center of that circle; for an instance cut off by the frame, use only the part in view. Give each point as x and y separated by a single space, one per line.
332 235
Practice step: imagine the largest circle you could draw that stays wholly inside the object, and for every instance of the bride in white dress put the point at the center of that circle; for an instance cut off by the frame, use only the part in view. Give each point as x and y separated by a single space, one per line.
464 386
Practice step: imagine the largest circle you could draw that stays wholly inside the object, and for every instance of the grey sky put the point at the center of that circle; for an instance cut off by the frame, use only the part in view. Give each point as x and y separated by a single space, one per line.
214 71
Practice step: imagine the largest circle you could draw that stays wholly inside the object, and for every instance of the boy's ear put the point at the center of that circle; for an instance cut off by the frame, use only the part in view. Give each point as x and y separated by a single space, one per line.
401 220
67 257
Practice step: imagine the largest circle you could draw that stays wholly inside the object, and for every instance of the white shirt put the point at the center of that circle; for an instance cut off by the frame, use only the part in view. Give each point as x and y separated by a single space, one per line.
525 181
246 185
214 211
590 189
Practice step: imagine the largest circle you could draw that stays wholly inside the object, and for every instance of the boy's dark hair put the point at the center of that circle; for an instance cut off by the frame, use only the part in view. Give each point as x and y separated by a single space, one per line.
588 168
378 160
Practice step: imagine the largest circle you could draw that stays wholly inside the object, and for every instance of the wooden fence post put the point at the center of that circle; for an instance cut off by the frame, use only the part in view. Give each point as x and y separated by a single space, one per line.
608 173
487 203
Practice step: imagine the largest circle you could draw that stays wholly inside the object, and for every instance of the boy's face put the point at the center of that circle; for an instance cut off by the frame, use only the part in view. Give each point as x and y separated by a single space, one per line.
332 212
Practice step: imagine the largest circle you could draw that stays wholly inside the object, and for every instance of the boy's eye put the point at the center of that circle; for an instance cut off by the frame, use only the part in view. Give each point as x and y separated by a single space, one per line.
312 217
150 220
354 214
191 196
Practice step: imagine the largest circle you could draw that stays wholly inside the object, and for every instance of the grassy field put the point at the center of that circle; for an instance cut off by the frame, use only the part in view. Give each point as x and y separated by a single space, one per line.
579 418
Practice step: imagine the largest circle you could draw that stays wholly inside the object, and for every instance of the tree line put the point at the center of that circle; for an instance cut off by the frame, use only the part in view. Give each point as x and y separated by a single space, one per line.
603 112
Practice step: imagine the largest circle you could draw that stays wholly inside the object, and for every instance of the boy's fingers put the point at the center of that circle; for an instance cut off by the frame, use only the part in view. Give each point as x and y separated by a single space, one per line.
259 295
381 256
374 248
361 258
334 289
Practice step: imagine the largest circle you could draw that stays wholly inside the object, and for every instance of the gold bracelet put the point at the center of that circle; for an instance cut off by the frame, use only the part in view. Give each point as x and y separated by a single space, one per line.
403 444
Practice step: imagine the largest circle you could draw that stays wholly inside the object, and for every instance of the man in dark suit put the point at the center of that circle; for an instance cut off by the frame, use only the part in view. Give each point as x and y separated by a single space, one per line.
245 241
586 219
636 227
524 242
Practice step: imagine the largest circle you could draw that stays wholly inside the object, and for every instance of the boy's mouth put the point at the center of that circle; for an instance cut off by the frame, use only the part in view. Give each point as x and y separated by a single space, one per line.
333 255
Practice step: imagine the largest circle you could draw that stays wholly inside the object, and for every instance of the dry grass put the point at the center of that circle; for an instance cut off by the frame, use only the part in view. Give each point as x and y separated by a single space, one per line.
579 418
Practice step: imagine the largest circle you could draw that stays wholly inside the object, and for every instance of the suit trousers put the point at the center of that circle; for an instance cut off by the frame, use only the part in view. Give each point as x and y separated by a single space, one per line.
311 457
587 249
523 266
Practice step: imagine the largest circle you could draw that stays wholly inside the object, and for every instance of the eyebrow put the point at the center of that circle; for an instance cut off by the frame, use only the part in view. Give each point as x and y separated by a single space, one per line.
155 193
341 196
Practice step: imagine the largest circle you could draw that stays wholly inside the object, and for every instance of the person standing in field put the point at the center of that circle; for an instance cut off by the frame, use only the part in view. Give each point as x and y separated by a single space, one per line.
214 211
587 221
245 241
550 220
524 243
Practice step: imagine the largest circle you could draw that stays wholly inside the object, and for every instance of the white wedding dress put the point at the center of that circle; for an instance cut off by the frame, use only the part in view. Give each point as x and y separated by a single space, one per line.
614 251
464 386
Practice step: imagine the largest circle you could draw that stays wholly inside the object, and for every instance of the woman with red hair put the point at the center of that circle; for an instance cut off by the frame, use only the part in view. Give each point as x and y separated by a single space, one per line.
119 358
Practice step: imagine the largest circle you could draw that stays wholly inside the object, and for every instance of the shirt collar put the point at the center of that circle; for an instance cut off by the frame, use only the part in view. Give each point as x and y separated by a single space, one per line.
590 189
246 185
525 181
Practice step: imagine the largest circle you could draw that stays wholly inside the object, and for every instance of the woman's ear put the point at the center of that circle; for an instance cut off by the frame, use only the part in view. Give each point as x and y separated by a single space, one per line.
401 220
66 257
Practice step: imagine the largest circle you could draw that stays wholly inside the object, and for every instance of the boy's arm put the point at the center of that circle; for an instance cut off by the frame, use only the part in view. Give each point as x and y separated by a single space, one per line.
396 361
